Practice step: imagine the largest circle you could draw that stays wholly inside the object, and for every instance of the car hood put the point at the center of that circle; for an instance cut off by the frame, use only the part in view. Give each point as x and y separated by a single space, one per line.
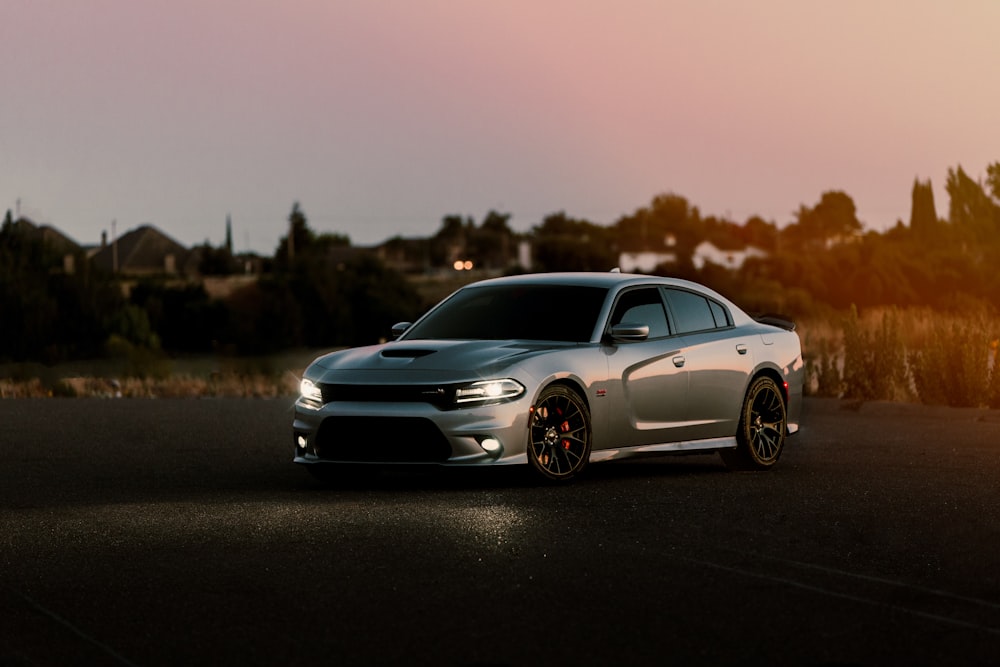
438 357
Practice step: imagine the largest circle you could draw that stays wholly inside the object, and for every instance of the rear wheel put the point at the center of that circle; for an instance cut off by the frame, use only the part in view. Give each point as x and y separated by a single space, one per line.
761 433
559 434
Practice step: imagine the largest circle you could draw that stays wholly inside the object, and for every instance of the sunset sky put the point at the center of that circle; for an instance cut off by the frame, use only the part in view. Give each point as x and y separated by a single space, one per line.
382 116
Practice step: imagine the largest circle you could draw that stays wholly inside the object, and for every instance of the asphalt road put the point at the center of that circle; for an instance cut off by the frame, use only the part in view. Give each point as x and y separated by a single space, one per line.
165 532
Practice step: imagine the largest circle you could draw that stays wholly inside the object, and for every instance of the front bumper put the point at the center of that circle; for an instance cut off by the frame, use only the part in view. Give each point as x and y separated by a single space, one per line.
409 433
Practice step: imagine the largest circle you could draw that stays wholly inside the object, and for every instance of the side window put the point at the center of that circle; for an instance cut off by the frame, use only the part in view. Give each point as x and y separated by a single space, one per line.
642 306
691 312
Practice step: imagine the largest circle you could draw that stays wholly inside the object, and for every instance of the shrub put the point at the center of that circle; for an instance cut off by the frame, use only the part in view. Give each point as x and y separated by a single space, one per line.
823 376
874 360
953 367
993 391
63 389
137 360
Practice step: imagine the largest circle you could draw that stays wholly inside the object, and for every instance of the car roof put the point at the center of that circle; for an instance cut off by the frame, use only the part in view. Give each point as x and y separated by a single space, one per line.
591 279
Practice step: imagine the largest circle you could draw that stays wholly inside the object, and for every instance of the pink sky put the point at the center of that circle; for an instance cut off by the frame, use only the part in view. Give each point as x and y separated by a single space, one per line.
382 116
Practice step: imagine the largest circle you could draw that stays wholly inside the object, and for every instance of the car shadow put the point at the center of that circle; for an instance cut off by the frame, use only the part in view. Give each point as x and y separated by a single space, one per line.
394 479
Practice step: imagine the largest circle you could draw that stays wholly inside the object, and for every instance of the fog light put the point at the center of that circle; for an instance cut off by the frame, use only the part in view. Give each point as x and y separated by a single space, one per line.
302 441
491 445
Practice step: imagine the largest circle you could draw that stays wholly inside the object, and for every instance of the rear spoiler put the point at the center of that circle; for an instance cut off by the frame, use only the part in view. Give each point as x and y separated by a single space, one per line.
779 321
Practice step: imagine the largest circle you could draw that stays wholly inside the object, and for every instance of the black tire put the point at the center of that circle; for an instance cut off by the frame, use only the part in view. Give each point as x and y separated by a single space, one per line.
559 434
763 425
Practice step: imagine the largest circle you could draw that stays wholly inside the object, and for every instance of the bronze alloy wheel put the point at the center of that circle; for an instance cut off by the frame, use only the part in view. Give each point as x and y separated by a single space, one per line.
763 424
559 434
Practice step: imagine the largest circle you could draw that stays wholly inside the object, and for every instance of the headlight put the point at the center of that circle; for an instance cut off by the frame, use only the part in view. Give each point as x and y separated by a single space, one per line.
310 392
489 390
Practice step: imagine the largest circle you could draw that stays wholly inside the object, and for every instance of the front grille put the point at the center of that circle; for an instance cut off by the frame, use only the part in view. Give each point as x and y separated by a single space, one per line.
441 396
382 440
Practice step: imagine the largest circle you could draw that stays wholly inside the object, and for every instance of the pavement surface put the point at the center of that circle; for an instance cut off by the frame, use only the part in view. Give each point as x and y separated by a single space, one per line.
165 532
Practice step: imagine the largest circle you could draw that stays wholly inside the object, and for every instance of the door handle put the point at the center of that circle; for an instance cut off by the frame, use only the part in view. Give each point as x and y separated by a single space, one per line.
741 348
679 361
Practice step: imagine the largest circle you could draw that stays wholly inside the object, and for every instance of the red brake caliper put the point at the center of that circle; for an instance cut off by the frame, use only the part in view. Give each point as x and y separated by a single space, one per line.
564 427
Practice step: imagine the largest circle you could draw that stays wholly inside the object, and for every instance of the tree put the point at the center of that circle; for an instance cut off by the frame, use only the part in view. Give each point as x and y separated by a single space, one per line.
992 179
760 233
296 242
449 243
668 220
923 214
215 261
835 216
568 244
47 314
491 245
496 223
971 209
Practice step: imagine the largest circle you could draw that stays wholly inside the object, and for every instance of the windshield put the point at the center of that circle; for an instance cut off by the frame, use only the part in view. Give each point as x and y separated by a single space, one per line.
565 313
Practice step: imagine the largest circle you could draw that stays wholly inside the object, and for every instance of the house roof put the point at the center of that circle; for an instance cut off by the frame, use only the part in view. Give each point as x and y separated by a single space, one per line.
142 250
58 241
47 234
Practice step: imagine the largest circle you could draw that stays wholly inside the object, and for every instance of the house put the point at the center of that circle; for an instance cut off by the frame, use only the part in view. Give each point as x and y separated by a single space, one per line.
731 258
55 242
145 251
644 261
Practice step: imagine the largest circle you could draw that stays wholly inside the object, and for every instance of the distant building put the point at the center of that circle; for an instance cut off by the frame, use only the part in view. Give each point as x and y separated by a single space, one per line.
644 261
145 251
57 244
56 241
732 259
524 254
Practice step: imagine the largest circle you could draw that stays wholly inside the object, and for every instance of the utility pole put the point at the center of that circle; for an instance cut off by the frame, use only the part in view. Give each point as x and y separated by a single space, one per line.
114 247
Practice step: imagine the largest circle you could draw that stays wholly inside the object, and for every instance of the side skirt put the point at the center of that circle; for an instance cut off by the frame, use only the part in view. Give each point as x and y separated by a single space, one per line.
666 447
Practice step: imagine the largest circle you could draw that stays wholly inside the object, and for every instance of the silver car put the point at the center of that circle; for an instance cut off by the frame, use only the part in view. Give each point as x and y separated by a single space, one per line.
555 371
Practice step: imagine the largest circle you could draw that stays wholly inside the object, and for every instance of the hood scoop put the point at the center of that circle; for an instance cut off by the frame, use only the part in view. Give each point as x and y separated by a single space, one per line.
405 353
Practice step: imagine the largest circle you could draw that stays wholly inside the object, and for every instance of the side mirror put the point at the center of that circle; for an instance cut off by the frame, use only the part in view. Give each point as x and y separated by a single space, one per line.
399 328
629 332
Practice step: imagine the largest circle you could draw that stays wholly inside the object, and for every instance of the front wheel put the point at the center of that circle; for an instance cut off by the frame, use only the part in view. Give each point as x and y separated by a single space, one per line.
761 433
559 434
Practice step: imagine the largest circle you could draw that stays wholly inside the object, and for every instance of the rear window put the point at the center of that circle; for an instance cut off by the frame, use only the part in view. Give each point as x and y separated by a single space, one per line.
691 311
720 314
566 313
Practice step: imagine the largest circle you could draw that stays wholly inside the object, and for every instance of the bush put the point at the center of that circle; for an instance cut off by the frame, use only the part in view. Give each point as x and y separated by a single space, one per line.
953 367
874 361
137 361
993 391
829 382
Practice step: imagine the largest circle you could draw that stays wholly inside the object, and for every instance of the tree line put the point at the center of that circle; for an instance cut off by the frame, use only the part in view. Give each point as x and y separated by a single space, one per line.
304 300
823 261
319 291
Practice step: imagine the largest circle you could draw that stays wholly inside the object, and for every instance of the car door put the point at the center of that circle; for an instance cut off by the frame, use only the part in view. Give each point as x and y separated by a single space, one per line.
648 384
717 360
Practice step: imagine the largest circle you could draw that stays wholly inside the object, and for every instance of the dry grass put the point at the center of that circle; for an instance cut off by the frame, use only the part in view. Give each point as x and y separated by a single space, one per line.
184 386
202 377
928 343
